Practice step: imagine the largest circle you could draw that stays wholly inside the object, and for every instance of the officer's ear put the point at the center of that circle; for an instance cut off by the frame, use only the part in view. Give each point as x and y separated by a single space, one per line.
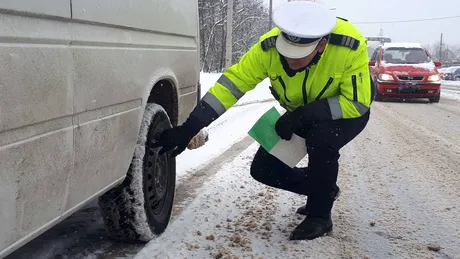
322 45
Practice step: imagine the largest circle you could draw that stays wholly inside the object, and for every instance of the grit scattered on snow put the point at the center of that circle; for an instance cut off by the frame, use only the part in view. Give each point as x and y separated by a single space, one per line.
237 217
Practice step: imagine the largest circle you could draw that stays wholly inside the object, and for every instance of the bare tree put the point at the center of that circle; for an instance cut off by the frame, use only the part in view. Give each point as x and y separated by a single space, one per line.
249 22
448 53
229 38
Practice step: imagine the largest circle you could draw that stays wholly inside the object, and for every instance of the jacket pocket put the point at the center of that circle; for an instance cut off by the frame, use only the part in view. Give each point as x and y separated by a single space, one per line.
355 88
329 82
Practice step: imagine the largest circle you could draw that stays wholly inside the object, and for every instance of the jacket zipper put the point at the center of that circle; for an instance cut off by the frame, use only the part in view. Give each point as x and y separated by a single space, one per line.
284 87
304 87
355 88
329 82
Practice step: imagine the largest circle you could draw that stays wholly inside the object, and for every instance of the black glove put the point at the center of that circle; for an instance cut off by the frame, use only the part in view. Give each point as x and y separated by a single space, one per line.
285 127
177 138
301 118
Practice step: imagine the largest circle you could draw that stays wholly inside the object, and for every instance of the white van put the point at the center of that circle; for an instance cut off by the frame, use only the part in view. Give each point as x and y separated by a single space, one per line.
84 85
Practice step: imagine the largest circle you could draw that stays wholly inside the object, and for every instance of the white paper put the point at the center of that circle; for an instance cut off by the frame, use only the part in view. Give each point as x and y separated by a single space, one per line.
290 152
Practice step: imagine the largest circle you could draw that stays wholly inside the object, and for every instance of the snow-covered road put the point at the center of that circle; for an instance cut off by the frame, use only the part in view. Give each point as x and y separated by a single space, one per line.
400 182
401 193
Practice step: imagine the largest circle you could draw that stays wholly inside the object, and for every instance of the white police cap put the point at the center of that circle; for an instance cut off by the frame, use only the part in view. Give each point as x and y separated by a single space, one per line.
302 24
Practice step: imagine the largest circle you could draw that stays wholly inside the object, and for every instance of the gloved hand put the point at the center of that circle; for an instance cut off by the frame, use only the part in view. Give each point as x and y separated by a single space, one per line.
176 139
285 126
302 118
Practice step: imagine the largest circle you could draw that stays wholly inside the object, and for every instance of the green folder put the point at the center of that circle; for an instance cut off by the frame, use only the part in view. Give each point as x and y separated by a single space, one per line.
263 130
289 152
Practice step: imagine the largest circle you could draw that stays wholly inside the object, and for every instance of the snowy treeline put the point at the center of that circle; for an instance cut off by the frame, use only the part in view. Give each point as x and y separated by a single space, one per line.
250 21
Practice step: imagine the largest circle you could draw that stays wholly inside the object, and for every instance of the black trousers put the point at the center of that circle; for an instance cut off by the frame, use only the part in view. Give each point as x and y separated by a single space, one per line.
324 140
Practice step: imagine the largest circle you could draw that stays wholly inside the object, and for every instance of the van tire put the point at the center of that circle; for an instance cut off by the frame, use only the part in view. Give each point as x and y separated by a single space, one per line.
140 208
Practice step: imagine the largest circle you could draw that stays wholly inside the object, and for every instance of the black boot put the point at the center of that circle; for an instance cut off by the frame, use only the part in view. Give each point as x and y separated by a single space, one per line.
303 210
312 227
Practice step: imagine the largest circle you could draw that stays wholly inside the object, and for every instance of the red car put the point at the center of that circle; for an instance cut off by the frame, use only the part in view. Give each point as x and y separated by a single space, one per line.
405 70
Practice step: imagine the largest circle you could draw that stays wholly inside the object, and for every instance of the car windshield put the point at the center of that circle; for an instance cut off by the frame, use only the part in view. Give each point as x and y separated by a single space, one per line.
399 55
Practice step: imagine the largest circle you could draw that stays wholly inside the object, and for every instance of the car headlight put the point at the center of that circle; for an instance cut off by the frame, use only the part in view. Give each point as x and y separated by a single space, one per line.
386 77
434 78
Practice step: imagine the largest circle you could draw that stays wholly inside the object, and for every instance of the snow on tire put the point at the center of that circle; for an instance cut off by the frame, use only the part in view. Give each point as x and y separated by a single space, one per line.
141 206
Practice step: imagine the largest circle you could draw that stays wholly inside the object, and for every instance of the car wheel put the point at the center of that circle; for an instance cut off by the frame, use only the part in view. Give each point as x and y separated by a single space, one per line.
457 78
141 206
378 97
435 99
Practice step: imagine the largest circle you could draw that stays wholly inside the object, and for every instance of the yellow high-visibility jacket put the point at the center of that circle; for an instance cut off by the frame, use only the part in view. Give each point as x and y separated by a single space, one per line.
340 78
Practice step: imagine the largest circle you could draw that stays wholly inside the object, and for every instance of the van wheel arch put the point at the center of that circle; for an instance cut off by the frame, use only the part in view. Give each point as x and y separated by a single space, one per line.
164 93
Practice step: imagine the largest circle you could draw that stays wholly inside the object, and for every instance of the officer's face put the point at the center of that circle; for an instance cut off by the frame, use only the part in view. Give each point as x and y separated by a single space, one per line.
298 63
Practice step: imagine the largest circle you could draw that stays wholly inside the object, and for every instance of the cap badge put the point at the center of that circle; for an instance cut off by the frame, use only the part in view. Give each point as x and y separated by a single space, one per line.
294 39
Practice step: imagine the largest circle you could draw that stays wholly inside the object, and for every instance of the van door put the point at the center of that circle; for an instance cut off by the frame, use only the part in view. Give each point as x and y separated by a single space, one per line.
36 108
109 86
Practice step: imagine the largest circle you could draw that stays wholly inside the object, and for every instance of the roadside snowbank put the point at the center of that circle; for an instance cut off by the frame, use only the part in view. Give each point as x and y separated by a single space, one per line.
455 95
452 83
230 128
260 93
450 90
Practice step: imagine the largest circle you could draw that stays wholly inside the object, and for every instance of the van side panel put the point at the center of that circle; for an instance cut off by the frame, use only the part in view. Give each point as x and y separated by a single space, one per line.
36 131
114 65
32 183
167 16
36 71
47 7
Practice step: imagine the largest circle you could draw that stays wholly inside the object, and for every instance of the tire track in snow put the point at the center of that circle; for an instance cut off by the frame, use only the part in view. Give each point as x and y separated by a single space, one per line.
436 119
404 185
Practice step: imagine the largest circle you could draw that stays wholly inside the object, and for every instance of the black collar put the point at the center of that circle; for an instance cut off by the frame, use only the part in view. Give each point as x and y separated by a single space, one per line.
290 72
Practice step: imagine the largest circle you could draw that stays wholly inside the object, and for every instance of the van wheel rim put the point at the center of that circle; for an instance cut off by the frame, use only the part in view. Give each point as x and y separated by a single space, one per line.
157 180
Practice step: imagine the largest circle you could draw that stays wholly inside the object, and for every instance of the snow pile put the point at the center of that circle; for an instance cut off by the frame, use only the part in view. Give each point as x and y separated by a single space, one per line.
451 83
229 129
450 90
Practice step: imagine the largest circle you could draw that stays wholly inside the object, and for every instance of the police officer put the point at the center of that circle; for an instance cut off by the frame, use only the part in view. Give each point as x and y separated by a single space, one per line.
318 69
